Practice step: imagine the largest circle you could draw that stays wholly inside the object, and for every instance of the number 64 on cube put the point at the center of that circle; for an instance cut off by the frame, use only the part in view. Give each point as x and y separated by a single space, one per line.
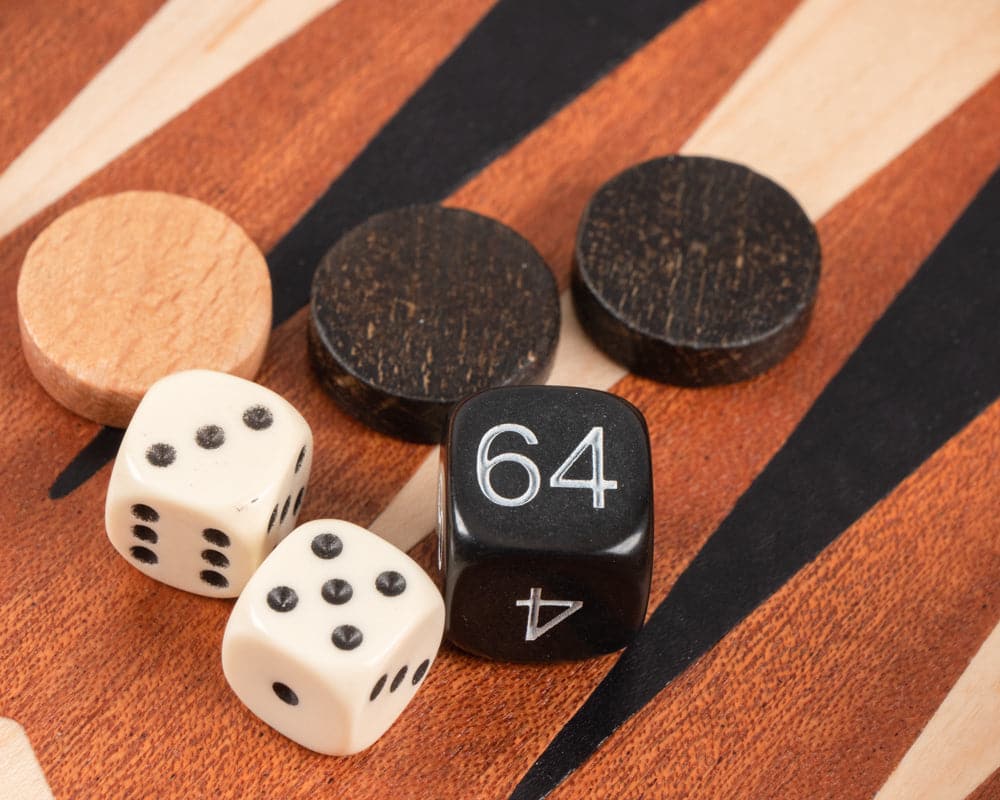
545 523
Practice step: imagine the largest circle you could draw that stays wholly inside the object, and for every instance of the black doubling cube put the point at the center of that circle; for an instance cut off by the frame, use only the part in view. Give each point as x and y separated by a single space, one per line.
546 523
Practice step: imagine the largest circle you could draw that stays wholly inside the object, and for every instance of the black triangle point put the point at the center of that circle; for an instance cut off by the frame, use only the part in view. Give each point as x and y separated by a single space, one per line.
926 369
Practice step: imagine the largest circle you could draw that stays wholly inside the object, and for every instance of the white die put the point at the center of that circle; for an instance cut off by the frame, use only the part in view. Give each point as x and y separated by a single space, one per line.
332 636
209 478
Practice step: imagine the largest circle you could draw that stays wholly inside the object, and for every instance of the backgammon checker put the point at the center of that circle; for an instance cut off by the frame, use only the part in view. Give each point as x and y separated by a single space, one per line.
545 523
125 289
417 308
695 271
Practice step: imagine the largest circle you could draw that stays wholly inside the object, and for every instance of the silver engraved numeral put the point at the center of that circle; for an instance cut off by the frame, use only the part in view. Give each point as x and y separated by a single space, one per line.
533 630
485 463
596 483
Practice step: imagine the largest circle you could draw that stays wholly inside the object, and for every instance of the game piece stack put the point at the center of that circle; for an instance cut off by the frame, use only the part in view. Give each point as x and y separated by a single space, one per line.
426 323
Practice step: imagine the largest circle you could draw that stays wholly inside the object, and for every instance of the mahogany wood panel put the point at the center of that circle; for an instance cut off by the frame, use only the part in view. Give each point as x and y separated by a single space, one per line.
117 680
867 260
182 52
50 53
283 103
957 750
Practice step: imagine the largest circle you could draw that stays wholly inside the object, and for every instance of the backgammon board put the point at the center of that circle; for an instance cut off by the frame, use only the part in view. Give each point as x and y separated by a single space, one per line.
826 583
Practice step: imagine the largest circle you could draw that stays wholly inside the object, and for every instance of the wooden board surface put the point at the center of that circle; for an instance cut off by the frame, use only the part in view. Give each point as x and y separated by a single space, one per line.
867 664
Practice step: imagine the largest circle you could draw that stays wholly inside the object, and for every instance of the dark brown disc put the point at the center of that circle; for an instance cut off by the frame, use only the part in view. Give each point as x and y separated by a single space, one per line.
417 308
695 271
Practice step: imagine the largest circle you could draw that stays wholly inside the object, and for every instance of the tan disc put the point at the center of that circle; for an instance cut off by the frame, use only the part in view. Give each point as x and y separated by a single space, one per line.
125 289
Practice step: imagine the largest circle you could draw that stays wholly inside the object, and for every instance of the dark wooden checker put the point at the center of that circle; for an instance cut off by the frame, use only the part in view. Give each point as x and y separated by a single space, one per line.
418 307
819 678
727 262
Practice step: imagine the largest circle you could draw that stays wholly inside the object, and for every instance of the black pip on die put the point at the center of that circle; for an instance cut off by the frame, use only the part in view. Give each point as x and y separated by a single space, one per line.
333 636
209 478
546 523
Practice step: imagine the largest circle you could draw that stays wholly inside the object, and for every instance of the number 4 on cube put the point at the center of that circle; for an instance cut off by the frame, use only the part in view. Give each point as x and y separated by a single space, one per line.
546 523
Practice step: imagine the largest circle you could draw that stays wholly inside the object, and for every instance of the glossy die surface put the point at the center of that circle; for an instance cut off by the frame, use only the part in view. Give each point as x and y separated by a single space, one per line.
333 636
210 476
546 523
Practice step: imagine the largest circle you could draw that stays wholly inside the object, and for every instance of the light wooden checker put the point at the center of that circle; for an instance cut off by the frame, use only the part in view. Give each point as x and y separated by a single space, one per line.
128 288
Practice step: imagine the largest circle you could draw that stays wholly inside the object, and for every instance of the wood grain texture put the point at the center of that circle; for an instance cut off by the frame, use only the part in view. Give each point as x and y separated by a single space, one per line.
872 259
869 259
182 52
988 789
49 57
419 307
695 271
869 96
21 777
125 289
959 747
923 372
819 692
126 699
